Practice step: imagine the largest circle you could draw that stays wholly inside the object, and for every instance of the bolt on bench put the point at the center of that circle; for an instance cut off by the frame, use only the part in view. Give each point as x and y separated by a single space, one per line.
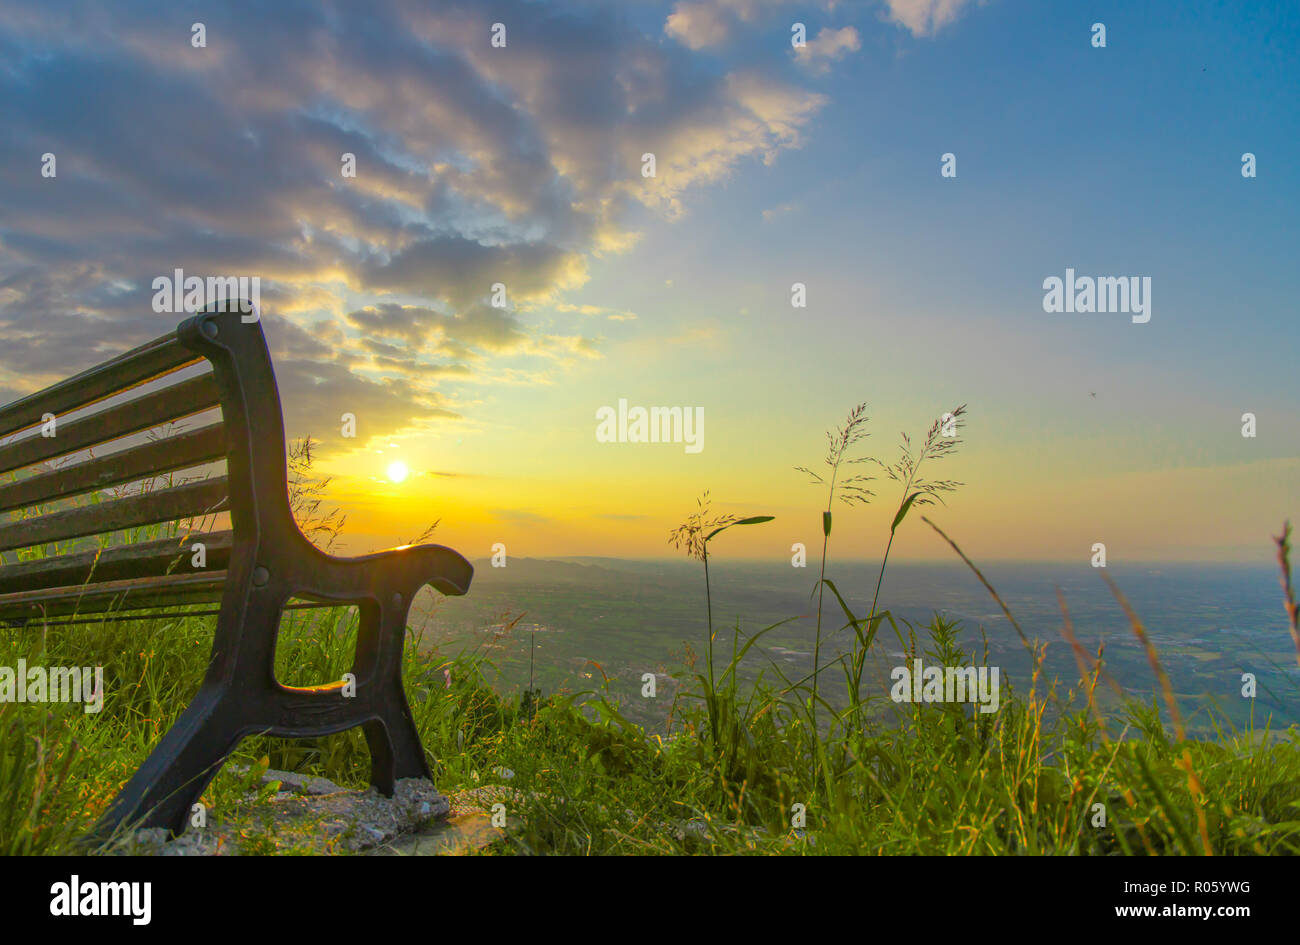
253 568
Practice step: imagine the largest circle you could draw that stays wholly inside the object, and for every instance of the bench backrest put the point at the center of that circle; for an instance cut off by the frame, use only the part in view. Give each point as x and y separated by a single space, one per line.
155 481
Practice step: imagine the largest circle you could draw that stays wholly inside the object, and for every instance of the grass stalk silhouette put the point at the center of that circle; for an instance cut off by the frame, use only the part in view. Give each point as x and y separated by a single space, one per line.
693 536
852 490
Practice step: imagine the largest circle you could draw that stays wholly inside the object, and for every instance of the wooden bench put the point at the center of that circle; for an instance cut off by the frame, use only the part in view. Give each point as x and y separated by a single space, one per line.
253 567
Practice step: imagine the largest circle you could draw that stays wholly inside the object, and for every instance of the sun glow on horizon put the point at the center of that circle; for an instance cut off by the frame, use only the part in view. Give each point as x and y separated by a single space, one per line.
397 471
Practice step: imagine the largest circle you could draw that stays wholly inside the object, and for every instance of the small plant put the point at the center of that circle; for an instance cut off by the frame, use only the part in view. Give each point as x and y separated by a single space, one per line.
1288 589
941 441
691 537
307 491
852 490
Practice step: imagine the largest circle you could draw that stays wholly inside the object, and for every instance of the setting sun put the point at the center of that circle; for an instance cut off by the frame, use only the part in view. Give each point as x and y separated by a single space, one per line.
397 471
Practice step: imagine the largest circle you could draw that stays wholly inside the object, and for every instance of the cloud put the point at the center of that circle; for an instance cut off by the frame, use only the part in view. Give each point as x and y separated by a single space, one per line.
704 24
461 270
519 516
828 45
698 24
925 17
780 210
477 327
326 390
614 315
474 166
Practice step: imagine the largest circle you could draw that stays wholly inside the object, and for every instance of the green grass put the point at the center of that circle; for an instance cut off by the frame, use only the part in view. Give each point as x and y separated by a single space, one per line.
745 768
936 780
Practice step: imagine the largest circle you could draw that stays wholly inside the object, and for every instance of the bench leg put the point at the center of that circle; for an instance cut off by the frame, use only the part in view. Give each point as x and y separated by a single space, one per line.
395 748
163 791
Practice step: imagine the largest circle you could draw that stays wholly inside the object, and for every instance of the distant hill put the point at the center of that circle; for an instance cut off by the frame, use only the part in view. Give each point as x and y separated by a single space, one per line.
546 570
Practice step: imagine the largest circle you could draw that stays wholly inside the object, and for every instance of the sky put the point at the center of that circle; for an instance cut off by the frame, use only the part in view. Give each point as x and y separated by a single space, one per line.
521 164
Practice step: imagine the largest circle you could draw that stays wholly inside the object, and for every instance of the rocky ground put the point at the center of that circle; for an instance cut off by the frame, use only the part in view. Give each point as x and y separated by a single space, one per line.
309 815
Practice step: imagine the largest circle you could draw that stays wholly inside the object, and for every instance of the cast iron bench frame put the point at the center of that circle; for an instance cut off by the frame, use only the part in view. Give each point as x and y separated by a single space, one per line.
253 569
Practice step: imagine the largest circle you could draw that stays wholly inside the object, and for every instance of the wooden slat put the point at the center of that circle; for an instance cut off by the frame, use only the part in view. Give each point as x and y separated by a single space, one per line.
162 505
146 615
157 407
146 461
154 359
167 454
141 559
113 595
